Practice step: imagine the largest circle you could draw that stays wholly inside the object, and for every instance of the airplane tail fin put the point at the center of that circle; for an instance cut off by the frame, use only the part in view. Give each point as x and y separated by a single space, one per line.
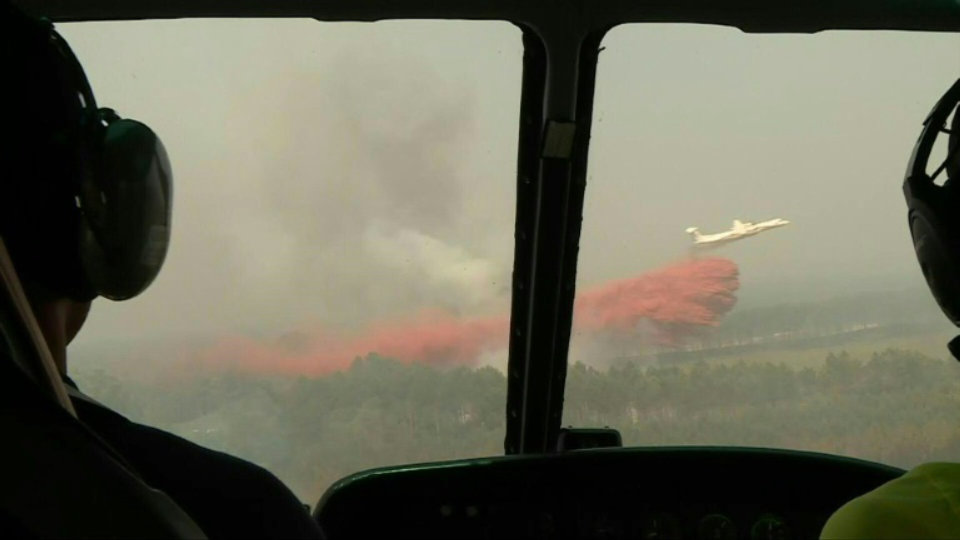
695 233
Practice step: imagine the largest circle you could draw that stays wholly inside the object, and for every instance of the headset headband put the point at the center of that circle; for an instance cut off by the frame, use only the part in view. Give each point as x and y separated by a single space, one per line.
934 125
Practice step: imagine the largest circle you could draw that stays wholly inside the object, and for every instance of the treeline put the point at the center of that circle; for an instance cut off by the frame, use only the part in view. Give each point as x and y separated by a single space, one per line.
314 431
897 407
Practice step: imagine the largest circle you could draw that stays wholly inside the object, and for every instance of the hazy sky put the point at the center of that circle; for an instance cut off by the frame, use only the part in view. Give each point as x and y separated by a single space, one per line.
336 174
325 174
700 125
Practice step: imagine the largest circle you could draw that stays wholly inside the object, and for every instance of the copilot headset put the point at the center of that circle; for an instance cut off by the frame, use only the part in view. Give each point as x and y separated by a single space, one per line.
933 207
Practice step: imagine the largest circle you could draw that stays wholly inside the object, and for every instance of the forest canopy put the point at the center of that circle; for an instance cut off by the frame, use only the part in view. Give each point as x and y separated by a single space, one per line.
894 406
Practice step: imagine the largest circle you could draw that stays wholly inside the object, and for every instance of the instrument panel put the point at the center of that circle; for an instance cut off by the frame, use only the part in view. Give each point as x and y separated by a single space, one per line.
709 493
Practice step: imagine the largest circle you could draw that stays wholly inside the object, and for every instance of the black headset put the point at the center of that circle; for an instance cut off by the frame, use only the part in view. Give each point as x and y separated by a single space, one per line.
121 185
933 208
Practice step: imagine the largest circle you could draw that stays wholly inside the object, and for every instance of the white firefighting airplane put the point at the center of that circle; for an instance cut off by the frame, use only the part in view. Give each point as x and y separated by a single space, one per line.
740 229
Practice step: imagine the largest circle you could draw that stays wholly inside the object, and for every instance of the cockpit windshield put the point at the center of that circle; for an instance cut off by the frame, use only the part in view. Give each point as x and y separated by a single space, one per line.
746 274
337 289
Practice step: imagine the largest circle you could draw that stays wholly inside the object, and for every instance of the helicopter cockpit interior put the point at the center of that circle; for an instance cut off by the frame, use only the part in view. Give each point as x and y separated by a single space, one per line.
466 270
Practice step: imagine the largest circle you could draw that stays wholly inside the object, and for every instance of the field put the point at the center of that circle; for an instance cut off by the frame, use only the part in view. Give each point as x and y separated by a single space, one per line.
932 344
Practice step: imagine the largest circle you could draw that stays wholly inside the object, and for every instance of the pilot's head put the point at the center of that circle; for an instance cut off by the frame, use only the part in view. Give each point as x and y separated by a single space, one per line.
84 195
39 155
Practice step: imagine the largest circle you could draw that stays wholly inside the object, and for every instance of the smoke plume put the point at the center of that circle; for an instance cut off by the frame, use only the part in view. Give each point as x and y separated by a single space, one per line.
675 301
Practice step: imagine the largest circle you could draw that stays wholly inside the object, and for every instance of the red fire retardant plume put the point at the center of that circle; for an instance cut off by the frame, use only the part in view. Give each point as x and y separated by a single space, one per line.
677 300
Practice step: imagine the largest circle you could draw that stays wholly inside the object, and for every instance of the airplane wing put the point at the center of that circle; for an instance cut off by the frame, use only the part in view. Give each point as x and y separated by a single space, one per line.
717 238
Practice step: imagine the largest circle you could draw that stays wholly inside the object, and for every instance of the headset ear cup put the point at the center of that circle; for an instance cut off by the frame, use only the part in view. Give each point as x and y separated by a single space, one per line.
939 256
126 211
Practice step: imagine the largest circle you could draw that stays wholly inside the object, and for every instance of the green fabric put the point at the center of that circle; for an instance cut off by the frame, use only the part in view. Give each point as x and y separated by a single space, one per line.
924 503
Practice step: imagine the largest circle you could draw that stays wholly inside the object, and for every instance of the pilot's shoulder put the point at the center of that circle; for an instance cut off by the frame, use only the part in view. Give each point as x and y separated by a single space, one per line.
163 448
920 504
227 496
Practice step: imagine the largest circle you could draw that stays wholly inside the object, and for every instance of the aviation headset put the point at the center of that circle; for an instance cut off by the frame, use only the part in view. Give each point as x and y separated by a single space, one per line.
934 209
119 179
